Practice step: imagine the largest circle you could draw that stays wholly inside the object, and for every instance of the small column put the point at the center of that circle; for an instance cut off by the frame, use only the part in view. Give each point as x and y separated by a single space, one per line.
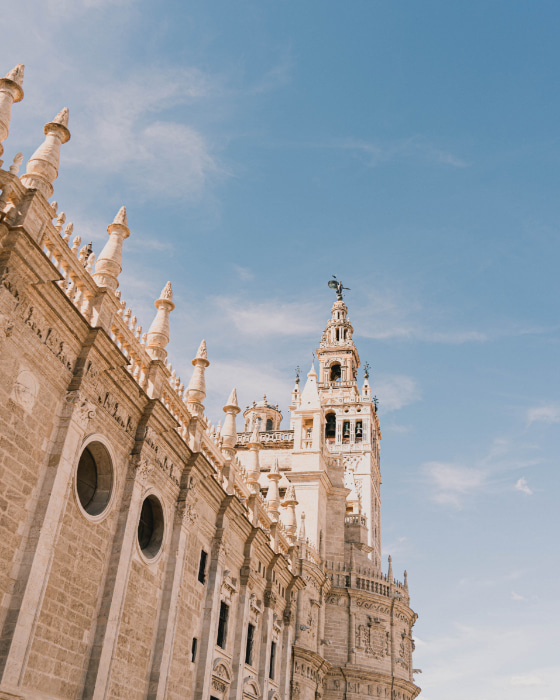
42 167
196 390
158 335
195 395
109 264
273 503
10 92
290 523
229 437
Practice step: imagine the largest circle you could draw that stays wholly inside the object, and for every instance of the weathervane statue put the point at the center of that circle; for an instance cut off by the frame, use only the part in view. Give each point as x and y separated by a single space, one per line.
338 288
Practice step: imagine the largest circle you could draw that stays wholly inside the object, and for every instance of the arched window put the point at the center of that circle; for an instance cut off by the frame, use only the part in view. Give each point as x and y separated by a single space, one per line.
346 431
150 527
335 374
269 424
330 426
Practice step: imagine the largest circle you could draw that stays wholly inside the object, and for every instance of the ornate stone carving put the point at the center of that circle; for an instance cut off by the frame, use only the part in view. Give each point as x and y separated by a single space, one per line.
270 599
116 412
26 388
143 469
372 638
80 408
186 512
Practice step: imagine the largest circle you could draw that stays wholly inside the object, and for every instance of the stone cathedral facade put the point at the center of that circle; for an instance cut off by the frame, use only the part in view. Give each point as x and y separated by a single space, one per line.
145 554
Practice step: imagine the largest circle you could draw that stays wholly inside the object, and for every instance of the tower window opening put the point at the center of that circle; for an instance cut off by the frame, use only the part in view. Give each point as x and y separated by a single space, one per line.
223 625
338 334
335 374
250 643
330 426
346 431
359 431
269 424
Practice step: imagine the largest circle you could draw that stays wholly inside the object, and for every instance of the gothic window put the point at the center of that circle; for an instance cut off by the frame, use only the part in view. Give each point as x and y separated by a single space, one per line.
335 373
269 424
250 644
330 426
223 625
150 527
94 479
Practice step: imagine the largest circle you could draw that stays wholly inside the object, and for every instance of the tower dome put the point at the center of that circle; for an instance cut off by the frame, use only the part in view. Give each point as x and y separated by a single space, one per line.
267 415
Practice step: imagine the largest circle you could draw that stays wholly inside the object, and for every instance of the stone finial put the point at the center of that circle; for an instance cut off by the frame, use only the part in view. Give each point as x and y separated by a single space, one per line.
390 572
14 168
109 262
196 390
253 466
290 522
62 118
158 334
229 429
405 581
310 393
273 494
16 74
301 533
10 92
42 167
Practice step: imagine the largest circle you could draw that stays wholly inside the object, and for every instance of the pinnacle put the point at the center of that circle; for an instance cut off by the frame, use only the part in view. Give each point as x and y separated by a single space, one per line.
16 74
274 469
62 117
255 436
166 292
232 401
120 218
290 493
201 352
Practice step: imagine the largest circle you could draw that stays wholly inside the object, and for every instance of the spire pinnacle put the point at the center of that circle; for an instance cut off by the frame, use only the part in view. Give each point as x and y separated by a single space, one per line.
196 390
273 494
290 522
158 334
10 92
229 430
390 572
109 263
42 167
301 533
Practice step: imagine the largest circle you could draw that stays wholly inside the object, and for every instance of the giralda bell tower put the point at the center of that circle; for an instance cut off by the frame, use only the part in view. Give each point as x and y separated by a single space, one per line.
335 468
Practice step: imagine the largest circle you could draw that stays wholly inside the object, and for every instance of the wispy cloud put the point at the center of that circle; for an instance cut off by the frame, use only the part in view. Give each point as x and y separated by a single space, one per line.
415 147
517 596
451 483
271 317
546 413
395 391
521 485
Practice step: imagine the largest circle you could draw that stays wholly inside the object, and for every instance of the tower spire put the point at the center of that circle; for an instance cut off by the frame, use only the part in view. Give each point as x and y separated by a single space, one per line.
196 390
10 92
109 263
158 335
42 167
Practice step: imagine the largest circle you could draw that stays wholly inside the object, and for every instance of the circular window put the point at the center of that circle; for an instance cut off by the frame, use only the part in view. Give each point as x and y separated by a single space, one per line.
94 479
150 527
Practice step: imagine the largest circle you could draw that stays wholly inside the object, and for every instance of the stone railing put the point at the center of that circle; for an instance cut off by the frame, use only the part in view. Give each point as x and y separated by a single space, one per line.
365 579
355 519
267 437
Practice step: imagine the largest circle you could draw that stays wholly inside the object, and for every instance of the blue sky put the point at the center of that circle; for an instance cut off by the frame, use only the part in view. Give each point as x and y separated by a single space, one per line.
410 148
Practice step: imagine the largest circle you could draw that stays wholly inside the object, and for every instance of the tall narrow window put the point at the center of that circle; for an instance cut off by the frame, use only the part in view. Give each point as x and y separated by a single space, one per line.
330 426
250 643
272 668
346 431
223 625
269 424
202 566
194 649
